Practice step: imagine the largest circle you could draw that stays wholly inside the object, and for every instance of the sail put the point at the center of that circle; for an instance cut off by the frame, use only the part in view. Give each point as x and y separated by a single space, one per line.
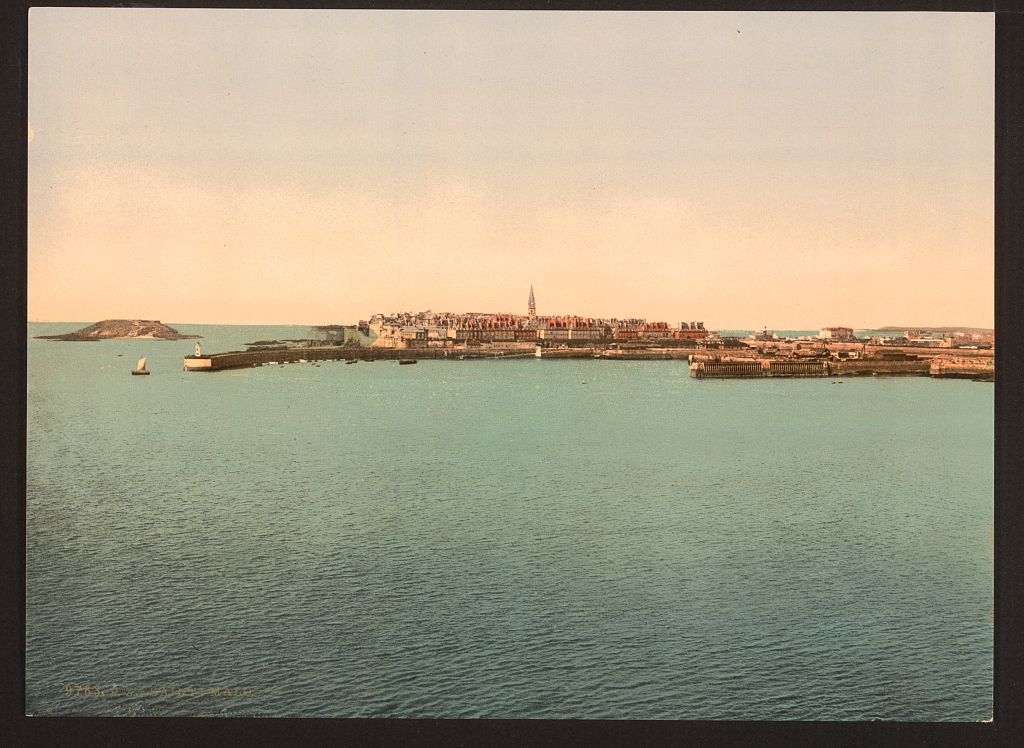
141 366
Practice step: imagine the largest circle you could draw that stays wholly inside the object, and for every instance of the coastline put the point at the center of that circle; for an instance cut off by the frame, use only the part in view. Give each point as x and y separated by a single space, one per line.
703 363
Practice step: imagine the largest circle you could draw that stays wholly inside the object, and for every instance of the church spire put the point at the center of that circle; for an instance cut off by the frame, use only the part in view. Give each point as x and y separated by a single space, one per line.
532 304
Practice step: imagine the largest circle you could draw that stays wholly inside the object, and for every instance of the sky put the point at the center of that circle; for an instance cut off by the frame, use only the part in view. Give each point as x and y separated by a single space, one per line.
788 170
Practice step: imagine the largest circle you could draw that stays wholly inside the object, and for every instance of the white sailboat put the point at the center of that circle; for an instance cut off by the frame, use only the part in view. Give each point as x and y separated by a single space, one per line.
140 368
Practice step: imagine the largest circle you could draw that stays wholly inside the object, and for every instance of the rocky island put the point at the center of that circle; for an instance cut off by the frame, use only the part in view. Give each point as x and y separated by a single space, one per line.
119 329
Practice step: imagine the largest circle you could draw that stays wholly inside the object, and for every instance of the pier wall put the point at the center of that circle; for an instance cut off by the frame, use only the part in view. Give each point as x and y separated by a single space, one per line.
767 367
745 368
614 354
868 367
244 359
978 368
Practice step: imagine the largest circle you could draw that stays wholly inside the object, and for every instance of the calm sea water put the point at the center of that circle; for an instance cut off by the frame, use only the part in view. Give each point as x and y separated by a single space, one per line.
502 539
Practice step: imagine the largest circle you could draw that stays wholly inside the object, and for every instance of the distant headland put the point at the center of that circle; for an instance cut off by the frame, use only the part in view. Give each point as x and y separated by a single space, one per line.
120 329
968 330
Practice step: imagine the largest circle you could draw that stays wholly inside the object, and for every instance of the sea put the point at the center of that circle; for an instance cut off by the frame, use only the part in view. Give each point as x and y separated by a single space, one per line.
520 538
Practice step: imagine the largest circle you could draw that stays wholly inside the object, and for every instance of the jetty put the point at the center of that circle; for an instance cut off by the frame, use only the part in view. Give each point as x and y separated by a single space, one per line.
716 367
268 355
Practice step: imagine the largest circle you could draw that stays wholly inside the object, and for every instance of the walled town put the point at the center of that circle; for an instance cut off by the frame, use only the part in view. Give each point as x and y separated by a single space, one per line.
510 332
834 351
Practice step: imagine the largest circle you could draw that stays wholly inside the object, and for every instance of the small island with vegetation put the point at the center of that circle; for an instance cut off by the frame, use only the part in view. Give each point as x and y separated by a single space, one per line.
120 329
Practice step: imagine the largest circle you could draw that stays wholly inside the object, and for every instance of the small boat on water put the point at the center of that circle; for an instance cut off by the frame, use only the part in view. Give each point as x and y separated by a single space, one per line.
140 368
406 361
351 361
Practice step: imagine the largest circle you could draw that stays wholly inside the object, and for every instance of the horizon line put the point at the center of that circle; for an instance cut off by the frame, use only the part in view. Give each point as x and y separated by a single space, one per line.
754 328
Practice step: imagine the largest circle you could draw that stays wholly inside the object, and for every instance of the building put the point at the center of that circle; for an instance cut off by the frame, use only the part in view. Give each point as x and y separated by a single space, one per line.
838 334
691 331
388 335
401 329
656 330
569 328
917 334
765 336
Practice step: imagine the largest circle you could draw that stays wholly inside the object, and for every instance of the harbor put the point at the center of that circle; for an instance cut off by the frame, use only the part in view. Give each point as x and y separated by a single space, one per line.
703 364
470 336
833 352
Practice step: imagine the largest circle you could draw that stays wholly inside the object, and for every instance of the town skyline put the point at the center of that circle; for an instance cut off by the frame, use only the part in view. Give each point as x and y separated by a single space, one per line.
788 170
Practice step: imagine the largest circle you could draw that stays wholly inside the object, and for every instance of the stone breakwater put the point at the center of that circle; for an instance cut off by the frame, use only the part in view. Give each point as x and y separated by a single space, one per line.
971 368
738 368
285 355
264 356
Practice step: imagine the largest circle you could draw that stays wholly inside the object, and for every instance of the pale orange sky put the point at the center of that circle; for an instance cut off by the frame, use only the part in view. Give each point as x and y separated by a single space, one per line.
793 170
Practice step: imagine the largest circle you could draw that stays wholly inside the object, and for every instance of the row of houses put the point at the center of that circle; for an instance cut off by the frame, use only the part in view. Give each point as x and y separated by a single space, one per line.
427 328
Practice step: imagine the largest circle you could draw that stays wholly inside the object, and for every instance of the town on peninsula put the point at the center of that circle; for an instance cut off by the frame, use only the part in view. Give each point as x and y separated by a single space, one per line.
833 352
